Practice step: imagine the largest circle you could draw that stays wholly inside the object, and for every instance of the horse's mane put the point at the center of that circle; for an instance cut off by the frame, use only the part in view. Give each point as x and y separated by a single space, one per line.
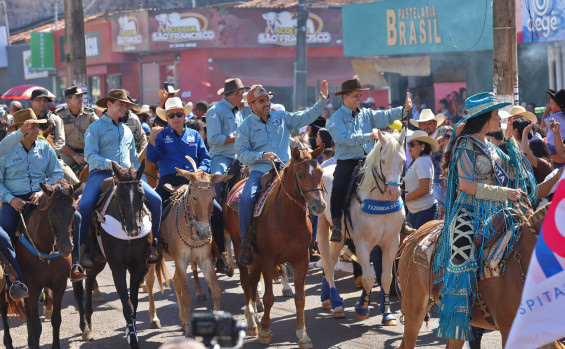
391 149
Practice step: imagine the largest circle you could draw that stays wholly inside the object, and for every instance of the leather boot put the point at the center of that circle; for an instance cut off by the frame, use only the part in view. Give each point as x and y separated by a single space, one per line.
221 266
313 251
154 254
77 274
18 291
85 259
336 230
246 255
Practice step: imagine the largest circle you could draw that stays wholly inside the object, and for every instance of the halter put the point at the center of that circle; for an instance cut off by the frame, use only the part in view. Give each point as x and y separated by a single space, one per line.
381 177
120 213
190 218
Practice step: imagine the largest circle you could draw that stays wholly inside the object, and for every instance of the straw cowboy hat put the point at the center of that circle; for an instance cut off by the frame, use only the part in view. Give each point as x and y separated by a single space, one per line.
114 95
422 136
350 85
173 103
22 115
428 115
518 110
231 85
481 103
558 97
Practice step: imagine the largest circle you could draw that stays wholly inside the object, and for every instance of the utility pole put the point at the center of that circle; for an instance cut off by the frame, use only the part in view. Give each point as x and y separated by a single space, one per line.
300 69
75 47
6 23
505 53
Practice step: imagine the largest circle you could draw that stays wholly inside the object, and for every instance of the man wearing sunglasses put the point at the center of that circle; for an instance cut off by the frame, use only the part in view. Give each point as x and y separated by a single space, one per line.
168 146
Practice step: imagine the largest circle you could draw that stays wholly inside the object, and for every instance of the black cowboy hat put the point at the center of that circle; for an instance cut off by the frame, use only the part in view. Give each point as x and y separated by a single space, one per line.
350 85
232 85
558 97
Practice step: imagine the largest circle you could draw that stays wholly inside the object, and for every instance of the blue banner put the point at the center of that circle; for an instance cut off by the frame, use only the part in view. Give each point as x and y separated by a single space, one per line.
543 20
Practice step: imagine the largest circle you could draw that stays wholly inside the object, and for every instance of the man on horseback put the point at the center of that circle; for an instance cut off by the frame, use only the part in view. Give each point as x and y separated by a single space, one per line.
107 140
76 120
351 128
262 138
26 162
222 120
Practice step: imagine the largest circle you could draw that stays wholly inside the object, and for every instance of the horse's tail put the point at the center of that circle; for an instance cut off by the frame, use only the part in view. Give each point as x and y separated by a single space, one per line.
162 273
15 308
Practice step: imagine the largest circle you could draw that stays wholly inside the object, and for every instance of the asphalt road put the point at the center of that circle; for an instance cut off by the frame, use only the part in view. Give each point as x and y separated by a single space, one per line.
325 332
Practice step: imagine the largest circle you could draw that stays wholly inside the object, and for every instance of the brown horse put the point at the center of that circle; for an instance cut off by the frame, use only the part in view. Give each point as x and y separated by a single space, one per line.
49 228
499 297
7 306
283 234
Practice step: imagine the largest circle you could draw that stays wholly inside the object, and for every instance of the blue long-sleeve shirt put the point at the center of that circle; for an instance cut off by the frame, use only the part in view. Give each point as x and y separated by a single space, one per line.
255 137
10 141
170 151
105 142
352 135
222 120
21 171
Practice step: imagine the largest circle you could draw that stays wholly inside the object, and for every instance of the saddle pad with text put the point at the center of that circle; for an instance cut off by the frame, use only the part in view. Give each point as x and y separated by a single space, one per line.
235 196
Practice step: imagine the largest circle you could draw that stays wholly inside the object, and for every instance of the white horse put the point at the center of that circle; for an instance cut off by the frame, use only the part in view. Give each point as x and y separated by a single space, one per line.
378 191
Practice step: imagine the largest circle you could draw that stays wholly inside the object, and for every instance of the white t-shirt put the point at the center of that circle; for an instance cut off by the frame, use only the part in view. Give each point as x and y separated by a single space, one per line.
421 168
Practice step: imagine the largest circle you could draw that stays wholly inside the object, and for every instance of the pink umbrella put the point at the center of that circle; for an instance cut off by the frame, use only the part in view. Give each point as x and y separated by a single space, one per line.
23 92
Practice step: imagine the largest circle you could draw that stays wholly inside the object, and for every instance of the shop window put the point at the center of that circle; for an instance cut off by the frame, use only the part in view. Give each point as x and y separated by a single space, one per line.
114 82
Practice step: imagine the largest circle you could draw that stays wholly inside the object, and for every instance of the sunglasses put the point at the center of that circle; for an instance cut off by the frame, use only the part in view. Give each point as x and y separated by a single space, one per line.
447 136
412 144
173 115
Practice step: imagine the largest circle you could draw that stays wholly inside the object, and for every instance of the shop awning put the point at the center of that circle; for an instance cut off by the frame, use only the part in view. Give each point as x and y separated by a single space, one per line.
280 71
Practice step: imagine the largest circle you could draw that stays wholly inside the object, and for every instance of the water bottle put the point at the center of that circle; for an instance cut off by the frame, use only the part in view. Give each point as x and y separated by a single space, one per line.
539 110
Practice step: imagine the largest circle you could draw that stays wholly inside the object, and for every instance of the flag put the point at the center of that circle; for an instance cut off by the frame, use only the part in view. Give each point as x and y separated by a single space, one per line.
539 317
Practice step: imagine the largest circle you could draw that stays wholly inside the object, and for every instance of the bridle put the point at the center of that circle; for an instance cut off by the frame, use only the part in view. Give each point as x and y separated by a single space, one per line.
119 207
191 218
380 177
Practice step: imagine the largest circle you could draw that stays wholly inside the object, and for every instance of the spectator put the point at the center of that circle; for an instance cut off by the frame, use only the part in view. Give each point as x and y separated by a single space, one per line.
323 137
200 109
556 110
144 114
443 136
421 205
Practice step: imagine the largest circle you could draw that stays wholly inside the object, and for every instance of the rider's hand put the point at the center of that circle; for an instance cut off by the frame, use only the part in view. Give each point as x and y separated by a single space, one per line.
324 90
269 156
18 204
79 159
27 125
513 195
154 132
408 102
35 197
374 136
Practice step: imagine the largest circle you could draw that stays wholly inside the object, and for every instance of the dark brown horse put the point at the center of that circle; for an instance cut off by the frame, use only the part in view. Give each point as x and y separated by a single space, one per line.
49 227
283 235
501 296
123 255
7 306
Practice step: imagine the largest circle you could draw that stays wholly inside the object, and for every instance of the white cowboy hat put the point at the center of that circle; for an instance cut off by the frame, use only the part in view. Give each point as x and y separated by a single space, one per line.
422 136
518 110
173 103
428 115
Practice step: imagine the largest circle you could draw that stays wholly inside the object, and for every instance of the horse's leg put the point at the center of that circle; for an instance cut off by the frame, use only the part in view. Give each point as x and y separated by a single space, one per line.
78 292
362 306
57 293
182 291
4 312
454 344
32 313
389 253
149 282
97 295
415 305
119 276
300 270
330 252
229 253
136 277
249 279
286 291
210 275
200 296
265 335
48 305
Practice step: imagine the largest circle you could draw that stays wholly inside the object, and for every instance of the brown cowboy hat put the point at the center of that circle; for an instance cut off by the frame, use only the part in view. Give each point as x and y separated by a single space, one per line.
232 85
350 85
22 115
114 95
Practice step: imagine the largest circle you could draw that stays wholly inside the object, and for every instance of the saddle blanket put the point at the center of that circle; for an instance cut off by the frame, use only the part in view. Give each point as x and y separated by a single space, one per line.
233 199
113 227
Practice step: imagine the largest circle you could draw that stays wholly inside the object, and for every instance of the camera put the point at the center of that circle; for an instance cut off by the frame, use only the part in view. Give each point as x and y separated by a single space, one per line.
217 329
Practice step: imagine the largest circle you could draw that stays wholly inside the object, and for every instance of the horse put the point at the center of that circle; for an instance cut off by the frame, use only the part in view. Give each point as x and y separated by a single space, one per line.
122 254
48 228
283 234
7 306
187 236
498 298
379 185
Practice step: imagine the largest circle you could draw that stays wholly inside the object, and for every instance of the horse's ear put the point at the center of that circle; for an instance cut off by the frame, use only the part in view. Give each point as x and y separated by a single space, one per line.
382 138
219 178
191 176
140 171
316 153
295 153
116 168
47 189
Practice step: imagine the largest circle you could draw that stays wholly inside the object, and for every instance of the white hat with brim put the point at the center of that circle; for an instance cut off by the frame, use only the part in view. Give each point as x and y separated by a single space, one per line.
428 115
422 136
518 110
173 103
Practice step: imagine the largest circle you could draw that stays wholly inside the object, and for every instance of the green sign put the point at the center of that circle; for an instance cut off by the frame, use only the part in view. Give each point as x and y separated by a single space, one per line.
42 51
394 27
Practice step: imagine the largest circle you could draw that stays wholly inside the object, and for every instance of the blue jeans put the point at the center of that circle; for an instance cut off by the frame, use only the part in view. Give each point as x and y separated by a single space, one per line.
92 192
8 251
220 165
247 201
419 218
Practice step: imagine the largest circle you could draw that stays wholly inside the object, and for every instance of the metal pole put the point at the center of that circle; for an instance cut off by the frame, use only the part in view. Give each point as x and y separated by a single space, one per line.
300 68
75 47
505 50
6 21
56 16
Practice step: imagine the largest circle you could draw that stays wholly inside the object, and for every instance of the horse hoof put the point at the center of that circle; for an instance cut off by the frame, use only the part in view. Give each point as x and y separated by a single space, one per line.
47 313
230 272
156 324
287 292
362 317
305 345
327 304
267 339
201 297
87 336
252 331
98 296
338 313
389 320
390 323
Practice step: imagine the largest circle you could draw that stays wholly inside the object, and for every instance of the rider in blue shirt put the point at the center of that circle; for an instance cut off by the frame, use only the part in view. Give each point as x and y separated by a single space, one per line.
107 140
262 137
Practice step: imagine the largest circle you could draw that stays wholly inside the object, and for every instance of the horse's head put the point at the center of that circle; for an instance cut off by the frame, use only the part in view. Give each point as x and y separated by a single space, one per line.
308 176
129 197
199 199
58 201
386 161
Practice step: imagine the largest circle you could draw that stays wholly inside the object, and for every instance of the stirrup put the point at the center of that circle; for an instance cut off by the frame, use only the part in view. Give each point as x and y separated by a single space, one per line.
336 234
14 284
